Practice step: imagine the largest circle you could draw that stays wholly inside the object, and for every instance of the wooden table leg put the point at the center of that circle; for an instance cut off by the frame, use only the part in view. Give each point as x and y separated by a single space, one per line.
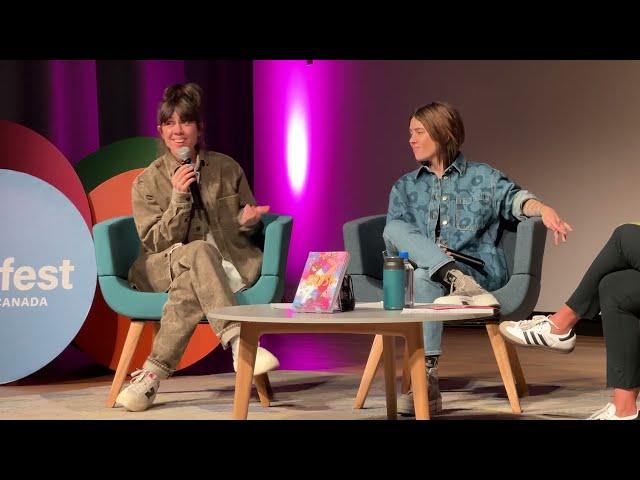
389 361
369 371
249 335
406 375
415 350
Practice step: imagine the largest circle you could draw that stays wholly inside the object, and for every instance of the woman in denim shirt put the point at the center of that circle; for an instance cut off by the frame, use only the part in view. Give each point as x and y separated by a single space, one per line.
456 203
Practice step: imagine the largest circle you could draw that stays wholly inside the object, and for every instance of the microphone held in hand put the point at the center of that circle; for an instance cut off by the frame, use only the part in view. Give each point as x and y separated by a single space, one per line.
183 153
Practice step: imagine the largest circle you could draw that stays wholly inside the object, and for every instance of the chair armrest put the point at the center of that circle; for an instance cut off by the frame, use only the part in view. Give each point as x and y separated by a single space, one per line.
529 249
518 297
276 246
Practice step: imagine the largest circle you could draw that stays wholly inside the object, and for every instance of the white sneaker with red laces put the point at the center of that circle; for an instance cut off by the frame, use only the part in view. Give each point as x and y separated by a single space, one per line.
141 392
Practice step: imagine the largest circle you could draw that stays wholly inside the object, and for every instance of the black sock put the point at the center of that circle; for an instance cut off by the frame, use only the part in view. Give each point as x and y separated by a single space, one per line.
431 360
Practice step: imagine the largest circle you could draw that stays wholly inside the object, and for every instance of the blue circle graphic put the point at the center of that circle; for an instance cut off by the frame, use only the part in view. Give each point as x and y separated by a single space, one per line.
47 274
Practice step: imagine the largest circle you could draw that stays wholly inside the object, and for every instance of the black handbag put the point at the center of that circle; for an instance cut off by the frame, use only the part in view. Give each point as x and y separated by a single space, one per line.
346 298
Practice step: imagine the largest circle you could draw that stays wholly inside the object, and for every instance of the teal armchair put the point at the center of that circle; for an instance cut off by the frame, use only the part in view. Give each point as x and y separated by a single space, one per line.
523 244
117 246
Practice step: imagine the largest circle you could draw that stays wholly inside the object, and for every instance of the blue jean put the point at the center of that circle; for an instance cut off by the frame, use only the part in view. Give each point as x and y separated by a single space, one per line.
401 236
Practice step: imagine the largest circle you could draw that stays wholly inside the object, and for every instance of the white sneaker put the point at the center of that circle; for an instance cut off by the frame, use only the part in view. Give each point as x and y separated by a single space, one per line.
466 291
141 392
608 412
536 333
265 360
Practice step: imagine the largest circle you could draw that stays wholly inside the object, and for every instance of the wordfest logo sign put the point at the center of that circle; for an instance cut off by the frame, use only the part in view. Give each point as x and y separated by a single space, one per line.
25 279
47 273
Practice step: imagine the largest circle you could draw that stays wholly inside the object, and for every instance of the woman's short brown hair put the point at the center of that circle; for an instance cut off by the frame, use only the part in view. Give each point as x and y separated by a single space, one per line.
444 124
185 100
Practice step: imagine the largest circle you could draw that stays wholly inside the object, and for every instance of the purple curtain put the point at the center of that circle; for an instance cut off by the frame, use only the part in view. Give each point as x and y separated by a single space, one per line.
82 105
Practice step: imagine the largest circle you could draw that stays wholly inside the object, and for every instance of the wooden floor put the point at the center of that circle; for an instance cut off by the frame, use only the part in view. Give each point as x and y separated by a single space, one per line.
561 387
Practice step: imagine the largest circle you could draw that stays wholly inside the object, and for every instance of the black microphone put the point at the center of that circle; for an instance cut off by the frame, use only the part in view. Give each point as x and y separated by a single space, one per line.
464 258
183 153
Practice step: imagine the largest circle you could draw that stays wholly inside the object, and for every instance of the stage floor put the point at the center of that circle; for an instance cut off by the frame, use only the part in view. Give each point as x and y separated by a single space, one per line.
561 387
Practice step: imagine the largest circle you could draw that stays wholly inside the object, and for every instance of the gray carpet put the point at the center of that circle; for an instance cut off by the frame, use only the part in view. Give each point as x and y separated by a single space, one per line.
298 395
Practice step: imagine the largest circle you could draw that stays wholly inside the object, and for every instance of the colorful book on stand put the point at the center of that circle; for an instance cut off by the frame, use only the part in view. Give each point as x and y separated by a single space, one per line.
320 283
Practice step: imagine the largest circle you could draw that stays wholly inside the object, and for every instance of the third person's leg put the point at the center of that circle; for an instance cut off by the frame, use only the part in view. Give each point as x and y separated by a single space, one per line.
620 299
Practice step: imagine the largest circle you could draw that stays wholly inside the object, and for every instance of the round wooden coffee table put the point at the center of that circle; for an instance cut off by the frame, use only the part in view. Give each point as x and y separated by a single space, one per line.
260 319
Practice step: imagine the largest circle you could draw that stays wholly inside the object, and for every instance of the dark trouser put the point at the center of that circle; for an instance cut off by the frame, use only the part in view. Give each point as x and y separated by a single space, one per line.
612 286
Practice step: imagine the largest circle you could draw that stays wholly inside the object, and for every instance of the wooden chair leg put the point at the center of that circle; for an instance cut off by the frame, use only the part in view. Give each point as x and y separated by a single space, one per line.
263 386
415 347
389 360
406 372
375 355
156 329
130 344
521 383
500 351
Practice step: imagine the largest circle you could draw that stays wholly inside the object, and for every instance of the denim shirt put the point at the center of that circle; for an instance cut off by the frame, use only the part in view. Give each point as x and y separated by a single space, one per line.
470 200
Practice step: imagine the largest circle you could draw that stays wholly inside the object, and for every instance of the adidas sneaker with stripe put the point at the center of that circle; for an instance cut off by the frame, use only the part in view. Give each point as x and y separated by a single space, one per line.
536 333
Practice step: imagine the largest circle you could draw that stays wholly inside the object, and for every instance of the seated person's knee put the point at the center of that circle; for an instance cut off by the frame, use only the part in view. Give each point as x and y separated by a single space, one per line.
200 247
390 231
624 229
609 288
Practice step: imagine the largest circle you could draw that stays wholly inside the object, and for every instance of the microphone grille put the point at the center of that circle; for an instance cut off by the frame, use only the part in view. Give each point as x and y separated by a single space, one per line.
183 153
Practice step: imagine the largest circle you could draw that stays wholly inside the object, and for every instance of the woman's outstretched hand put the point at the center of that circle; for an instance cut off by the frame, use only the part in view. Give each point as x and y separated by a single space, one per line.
252 214
553 222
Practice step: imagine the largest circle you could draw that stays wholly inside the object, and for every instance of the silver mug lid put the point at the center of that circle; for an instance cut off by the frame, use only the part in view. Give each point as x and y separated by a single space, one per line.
393 262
